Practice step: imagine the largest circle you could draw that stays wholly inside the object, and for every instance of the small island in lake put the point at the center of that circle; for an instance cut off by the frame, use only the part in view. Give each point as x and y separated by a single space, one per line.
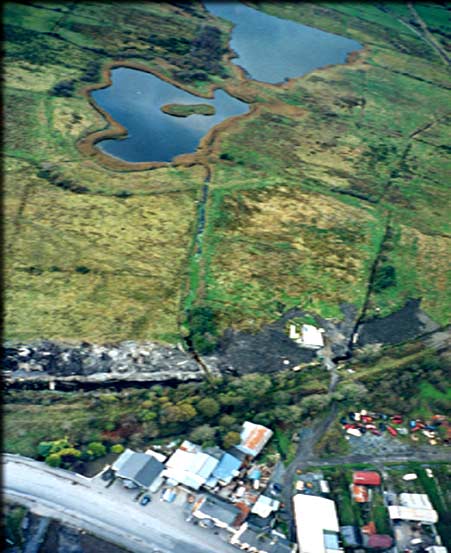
184 110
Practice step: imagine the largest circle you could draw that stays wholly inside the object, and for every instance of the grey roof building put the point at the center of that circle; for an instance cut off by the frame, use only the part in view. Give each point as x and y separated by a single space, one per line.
255 539
223 514
140 468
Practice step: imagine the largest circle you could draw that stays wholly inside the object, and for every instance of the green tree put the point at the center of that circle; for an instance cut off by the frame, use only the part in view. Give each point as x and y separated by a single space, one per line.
54 460
203 331
202 434
178 413
44 448
227 421
54 446
384 277
230 439
69 454
96 450
253 386
208 407
314 403
117 448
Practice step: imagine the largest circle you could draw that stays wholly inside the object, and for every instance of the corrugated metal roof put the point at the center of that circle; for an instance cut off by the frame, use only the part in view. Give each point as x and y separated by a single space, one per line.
138 467
254 437
227 467
218 509
314 516
398 512
191 466
367 478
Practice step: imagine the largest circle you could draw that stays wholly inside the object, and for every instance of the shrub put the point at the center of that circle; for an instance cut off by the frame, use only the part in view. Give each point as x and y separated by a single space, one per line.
54 460
384 277
117 448
202 434
63 88
96 450
208 407
230 439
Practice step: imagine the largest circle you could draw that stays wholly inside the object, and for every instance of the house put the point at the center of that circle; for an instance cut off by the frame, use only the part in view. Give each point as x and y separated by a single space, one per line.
312 337
226 470
264 506
254 437
316 524
190 466
255 540
366 478
436 549
221 513
137 469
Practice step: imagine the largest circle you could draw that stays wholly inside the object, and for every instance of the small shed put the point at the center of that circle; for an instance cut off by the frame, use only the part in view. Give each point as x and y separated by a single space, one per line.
366 478
254 437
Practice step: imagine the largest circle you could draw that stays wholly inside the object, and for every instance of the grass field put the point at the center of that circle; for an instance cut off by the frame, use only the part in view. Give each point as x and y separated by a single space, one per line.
300 193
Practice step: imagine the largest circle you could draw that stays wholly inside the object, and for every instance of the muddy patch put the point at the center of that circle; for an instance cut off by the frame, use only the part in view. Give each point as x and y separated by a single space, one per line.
406 324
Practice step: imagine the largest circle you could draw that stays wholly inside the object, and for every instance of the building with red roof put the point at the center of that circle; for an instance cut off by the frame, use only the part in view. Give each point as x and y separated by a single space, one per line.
366 478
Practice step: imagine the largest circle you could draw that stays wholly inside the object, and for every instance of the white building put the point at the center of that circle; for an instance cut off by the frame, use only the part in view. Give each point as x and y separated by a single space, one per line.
189 466
415 500
399 512
310 336
254 437
317 526
264 506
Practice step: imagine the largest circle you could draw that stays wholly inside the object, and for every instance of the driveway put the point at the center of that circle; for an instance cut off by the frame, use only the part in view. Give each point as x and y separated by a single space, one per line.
109 513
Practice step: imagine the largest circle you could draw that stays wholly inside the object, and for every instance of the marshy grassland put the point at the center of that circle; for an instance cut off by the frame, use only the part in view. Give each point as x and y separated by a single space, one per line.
334 176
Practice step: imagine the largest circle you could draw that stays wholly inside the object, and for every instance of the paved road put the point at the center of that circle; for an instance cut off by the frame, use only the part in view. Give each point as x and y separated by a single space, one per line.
109 513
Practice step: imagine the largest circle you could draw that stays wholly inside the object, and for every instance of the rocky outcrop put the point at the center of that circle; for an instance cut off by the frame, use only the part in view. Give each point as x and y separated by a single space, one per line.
126 361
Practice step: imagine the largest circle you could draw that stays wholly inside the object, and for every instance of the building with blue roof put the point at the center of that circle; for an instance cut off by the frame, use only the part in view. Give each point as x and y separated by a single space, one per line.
227 469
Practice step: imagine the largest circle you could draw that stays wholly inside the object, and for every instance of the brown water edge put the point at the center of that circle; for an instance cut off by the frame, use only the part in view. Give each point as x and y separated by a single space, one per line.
239 86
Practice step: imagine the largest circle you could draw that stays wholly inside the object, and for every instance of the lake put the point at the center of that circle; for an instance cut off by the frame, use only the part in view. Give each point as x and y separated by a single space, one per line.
271 49
135 99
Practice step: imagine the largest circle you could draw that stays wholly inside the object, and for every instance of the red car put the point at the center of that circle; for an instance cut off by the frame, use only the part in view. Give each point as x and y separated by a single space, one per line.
375 432
397 419
392 431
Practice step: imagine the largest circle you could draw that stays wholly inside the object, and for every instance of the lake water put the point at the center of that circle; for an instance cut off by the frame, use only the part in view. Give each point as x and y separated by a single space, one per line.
135 99
271 49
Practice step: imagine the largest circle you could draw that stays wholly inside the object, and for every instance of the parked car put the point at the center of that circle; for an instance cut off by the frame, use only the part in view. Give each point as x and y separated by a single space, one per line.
145 499
392 431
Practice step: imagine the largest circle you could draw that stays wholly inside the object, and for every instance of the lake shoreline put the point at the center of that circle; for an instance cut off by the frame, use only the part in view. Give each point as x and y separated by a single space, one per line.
237 87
